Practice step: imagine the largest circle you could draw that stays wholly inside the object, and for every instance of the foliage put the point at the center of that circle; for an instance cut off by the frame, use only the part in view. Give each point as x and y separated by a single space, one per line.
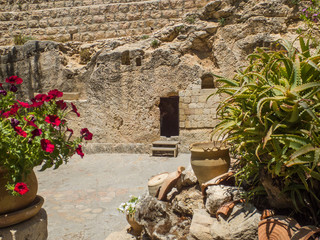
191 19
145 36
20 39
271 118
35 133
85 56
129 207
310 14
155 43
222 21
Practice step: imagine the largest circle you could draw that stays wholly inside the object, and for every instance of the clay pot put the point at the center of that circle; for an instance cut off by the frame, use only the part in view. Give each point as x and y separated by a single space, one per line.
209 160
136 228
155 183
9 203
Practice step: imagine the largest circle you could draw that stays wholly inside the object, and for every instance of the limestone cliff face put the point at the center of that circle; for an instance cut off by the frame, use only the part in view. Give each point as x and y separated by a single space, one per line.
119 91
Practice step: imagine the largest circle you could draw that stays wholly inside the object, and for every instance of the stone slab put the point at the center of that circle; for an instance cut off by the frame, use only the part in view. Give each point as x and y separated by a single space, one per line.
33 229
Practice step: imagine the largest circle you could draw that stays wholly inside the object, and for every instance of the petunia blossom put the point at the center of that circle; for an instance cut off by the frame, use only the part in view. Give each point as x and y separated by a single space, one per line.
79 151
14 122
31 122
14 80
46 145
13 88
3 92
86 134
74 109
36 132
54 120
61 104
23 104
21 188
20 131
55 93
14 109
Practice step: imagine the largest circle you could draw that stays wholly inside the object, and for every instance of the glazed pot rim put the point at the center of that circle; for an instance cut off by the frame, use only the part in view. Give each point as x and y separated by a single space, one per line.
208 146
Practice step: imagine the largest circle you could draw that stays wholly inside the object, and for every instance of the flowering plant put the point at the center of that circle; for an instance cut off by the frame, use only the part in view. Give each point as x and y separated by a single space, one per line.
34 133
129 207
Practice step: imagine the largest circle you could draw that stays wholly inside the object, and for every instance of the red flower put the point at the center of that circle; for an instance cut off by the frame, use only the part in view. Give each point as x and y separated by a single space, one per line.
55 93
61 104
14 109
36 104
14 80
53 119
46 145
31 122
39 97
21 188
36 132
79 151
20 131
47 98
23 104
74 109
86 134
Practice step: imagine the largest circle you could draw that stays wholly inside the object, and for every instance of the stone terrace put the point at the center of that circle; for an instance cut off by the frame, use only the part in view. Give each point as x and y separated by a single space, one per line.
88 20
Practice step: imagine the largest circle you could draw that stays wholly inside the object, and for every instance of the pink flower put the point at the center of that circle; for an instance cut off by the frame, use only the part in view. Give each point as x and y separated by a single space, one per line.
46 145
54 120
86 134
14 80
74 109
79 151
55 93
14 109
21 188
20 131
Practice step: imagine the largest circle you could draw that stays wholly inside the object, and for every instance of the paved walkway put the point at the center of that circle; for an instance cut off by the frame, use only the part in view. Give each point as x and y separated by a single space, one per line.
81 198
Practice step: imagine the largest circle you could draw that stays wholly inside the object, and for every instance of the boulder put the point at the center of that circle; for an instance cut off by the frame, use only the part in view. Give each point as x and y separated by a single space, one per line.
241 224
217 195
200 228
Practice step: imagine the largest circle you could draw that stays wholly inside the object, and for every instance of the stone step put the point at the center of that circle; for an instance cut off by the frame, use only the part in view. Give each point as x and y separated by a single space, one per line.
162 151
169 144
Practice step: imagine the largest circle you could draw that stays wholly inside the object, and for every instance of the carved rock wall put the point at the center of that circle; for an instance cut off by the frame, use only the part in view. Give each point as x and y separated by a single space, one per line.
119 90
88 20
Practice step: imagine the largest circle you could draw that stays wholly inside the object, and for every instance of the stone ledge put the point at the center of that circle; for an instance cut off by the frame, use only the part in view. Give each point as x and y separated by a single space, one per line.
35 228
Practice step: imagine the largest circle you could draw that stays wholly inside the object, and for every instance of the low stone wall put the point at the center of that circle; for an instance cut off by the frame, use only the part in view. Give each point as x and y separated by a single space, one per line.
88 20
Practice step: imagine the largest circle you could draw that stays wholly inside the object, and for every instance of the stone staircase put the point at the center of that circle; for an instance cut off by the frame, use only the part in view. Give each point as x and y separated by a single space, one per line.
165 148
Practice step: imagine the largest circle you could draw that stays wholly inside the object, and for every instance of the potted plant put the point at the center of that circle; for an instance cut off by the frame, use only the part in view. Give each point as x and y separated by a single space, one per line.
271 119
129 208
31 134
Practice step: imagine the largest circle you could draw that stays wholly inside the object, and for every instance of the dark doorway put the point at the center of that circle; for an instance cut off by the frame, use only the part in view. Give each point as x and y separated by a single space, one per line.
169 116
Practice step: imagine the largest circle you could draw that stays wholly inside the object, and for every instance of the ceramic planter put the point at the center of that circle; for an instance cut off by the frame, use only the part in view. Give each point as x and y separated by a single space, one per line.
15 206
136 228
209 160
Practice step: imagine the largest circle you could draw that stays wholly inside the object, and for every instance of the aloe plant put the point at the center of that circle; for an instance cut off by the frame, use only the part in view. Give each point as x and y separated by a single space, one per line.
271 118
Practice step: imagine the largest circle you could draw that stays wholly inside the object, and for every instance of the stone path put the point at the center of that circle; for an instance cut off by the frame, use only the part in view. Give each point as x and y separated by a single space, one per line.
81 198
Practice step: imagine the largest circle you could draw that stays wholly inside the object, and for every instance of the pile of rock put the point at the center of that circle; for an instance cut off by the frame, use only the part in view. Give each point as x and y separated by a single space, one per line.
189 214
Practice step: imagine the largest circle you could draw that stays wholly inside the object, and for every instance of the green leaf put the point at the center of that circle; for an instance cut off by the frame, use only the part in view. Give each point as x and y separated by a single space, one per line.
303 150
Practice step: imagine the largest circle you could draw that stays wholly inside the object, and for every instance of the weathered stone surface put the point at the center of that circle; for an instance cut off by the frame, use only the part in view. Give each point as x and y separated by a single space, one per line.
241 224
35 228
159 220
188 178
200 228
217 195
187 201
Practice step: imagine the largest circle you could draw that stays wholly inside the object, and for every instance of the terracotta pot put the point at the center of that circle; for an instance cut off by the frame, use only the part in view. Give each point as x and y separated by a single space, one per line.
155 183
209 160
136 228
9 203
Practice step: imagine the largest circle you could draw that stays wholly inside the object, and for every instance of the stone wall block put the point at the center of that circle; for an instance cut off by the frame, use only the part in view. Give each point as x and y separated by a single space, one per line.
54 22
95 10
99 19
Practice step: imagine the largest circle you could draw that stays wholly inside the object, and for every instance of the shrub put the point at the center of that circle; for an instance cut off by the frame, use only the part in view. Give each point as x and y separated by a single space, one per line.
191 19
20 39
155 43
271 118
85 56
145 37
